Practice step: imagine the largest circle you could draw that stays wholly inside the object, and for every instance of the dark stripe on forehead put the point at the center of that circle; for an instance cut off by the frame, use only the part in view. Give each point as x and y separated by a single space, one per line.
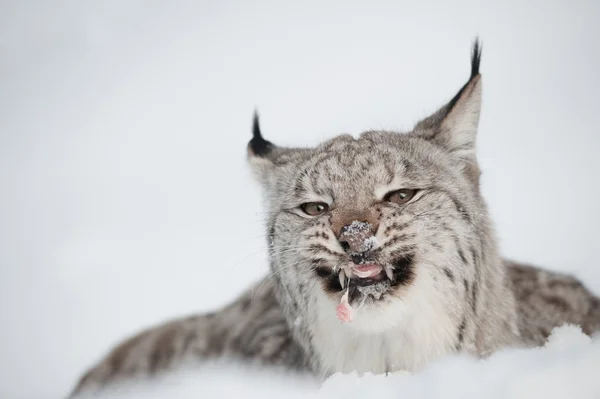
299 188
390 172
323 157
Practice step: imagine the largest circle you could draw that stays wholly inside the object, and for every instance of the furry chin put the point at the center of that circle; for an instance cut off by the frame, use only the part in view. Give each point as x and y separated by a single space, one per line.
360 297
368 309
371 292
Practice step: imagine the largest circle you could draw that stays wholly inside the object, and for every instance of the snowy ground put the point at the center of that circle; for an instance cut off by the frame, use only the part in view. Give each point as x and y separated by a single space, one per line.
566 368
125 198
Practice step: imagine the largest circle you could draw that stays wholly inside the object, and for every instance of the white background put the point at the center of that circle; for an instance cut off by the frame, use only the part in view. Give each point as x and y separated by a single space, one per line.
124 194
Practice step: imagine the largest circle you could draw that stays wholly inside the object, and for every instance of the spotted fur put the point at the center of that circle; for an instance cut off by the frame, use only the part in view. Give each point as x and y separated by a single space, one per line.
252 328
449 289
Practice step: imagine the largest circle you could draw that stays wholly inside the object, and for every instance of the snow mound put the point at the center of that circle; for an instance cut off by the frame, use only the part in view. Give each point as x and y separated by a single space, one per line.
568 366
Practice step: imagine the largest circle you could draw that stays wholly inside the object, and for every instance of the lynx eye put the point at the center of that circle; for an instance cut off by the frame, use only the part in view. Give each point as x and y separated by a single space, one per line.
314 208
401 196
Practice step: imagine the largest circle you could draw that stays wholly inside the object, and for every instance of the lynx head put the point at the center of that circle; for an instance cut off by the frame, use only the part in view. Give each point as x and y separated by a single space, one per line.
387 216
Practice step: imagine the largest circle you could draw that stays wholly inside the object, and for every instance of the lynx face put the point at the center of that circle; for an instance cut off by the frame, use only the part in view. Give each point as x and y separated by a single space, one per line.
378 215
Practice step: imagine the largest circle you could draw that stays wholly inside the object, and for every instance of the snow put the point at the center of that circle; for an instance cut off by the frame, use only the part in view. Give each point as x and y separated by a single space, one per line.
125 197
567 367
357 227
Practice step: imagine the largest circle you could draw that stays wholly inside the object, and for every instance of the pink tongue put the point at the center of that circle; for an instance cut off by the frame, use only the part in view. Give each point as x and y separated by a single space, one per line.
368 270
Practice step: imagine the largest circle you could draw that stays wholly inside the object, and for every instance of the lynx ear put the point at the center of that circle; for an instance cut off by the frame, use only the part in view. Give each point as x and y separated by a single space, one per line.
260 153
266 158
454 126
258 146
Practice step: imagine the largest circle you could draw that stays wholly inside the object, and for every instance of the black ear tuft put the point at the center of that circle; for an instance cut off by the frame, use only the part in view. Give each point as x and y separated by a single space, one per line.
475 62
258 145
475 58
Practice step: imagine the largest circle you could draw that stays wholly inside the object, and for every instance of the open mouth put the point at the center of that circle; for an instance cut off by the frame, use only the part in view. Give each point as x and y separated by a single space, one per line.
365 274
369 277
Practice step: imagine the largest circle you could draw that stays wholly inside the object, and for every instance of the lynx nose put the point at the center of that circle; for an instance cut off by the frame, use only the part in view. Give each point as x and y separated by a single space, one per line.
357 238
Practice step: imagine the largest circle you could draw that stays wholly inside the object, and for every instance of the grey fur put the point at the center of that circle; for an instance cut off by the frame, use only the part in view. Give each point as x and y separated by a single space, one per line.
252 328
450 289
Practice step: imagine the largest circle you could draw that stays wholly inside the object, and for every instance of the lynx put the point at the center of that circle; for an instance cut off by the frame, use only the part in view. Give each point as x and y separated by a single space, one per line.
382 258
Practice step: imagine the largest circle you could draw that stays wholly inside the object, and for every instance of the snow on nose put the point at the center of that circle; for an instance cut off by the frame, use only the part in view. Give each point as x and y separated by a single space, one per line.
357 237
